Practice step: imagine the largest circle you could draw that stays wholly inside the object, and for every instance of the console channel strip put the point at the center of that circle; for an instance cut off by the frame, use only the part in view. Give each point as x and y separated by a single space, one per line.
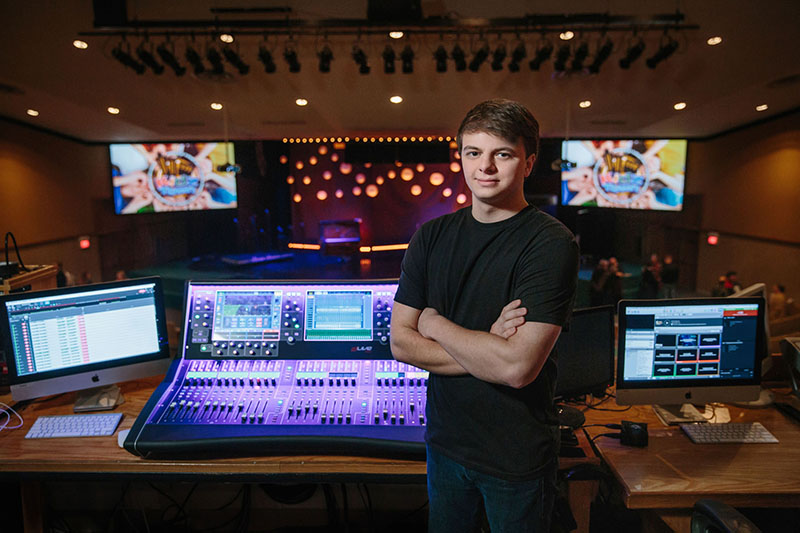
286 367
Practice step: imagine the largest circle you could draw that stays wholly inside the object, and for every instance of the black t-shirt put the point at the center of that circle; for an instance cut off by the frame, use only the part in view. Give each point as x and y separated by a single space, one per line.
468 271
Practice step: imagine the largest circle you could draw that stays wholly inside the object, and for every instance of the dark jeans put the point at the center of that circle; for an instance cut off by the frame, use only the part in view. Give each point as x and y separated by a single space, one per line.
455 494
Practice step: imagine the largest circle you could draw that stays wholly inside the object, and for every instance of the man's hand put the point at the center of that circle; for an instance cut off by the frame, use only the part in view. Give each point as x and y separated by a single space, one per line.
511 317
424 325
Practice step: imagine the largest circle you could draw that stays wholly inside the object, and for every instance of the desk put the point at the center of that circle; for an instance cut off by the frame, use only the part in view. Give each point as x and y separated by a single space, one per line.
671 473
32 461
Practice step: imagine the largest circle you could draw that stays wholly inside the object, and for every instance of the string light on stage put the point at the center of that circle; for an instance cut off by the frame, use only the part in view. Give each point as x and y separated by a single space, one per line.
80 45
213 56
481 54
32 112
667 48
498 56
216 106
325 57
407 59
440 57
122 53
517 55
265 56
680 106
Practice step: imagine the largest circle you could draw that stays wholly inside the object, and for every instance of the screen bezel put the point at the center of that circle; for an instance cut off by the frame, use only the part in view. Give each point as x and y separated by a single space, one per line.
158 213
683 390
562 204
596 385
161 328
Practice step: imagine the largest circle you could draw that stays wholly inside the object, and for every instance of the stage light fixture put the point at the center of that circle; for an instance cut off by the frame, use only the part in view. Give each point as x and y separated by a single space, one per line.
124 57
195 60
265 56
517 55
601 55
459 58
440 56
480 56
214 57
543 53
407 59
167 55
560 63
290 55
389 57
632 54
146 57
580 56
325 57
235 59
498 56
361 59
664 51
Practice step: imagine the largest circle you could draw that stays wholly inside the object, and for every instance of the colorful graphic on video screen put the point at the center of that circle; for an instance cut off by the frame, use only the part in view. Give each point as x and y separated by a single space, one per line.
632 174
150 178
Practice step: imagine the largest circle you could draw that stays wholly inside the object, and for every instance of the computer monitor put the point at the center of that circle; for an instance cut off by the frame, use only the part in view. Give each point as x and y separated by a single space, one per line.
85 337
585 353
689 351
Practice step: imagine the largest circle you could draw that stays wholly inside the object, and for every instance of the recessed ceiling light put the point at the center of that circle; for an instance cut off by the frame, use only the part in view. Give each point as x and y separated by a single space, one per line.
396 99
396 34
301 102
216 106
32 112
226 38
113 110
762 107
566 35
585 103
81 45
714 41
679 106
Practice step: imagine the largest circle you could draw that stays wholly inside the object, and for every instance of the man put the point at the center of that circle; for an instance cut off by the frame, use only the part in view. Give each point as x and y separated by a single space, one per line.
483 295
669 277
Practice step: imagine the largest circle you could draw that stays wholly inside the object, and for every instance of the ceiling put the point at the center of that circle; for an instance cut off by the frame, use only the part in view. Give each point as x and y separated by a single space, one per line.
756 63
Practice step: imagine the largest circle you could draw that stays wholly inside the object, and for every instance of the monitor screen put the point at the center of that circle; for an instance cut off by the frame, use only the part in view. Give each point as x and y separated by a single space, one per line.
631 174
83 337
689 350
156 177
585 353
288 319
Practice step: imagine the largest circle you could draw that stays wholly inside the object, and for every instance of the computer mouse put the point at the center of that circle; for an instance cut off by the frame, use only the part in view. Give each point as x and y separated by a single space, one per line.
121 436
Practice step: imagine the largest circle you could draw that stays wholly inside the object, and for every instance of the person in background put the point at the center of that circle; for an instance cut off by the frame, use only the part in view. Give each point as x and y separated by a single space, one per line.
651 278
777 302
719 290
482 297
731 283
669 277
85 278
120 275
598 282
613 287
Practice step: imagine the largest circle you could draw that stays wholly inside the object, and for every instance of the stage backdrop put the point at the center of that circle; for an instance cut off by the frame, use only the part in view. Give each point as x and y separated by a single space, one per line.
364 180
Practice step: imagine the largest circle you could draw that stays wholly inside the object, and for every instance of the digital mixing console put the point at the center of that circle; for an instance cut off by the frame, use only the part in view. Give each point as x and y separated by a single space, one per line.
285 367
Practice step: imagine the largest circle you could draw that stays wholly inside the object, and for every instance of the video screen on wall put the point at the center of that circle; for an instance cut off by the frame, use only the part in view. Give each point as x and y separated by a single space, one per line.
157 177
628 174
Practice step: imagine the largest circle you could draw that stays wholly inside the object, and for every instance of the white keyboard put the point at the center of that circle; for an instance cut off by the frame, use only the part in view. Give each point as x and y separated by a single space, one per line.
94 425
732 432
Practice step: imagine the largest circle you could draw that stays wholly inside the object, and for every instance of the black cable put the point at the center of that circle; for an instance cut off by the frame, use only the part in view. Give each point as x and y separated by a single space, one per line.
16 249
610 435
109 526
180 512
330 505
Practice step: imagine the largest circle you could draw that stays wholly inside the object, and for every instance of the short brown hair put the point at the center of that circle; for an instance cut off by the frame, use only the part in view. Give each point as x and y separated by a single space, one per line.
507 119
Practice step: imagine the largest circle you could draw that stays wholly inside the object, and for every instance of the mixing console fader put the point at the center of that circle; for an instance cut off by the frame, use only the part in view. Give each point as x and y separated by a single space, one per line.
286 367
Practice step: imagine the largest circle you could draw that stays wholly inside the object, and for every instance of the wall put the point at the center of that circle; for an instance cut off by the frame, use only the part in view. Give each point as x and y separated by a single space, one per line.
750 183
47 186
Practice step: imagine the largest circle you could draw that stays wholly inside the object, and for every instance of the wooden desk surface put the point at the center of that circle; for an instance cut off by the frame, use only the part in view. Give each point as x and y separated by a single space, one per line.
672 472
101 456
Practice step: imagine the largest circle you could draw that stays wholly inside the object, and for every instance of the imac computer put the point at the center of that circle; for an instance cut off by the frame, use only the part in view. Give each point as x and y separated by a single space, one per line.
585 354
689 351
85 338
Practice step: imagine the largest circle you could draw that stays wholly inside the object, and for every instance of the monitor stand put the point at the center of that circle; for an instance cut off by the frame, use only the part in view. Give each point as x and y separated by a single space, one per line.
678 414
98 399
